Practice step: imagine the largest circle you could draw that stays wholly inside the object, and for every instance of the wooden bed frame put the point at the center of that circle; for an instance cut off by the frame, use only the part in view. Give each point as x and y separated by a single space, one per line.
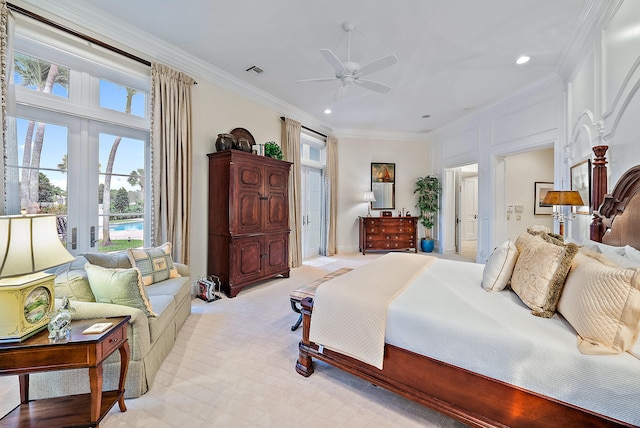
472 398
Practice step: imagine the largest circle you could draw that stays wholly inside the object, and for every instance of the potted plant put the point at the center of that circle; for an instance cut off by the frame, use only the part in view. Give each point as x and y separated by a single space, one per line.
272 150
428 189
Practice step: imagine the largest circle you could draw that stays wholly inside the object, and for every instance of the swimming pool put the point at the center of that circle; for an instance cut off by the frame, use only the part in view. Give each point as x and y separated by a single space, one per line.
136 225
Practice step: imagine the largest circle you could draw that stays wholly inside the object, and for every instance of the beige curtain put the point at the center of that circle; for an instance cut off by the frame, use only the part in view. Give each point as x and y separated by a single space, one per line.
171 148
291 153
4 28
332 181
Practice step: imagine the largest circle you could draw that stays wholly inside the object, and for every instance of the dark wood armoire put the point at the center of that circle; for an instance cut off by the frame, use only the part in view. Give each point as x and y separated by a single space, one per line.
248 219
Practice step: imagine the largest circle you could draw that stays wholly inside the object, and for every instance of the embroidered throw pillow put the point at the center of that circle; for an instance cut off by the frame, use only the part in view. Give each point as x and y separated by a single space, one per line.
541 269
155 264
498 269
119 287
601 301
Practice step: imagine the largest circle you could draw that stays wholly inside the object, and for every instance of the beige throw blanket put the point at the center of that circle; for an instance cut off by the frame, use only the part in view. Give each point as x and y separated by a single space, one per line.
350 312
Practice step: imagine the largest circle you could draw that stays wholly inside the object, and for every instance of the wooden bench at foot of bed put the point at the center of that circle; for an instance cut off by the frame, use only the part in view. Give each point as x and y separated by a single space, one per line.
471 398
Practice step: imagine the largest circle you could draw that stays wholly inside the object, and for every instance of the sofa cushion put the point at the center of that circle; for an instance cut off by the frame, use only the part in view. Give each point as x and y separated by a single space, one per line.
155 264
165 308
119 286
179 288
117 260
71 280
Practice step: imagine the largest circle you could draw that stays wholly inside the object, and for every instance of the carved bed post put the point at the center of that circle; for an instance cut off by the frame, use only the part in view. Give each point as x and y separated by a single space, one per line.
598 190
304 365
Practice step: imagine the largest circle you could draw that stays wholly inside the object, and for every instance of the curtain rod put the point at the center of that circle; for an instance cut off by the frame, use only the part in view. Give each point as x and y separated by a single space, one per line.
68 30
308 129
82 36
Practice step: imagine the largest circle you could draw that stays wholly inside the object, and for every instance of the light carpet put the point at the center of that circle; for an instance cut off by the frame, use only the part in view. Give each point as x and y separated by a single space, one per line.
233 365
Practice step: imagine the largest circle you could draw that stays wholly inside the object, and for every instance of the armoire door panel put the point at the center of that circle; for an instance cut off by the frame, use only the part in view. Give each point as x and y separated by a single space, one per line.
249 211
276 217
277 250
246 258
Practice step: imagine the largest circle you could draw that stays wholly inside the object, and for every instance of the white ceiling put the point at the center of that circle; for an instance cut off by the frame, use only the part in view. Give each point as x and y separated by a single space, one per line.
455 56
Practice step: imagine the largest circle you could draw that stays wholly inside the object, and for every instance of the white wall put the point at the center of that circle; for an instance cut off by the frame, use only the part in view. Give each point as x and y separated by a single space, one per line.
523 171
532 120
603 98
355 155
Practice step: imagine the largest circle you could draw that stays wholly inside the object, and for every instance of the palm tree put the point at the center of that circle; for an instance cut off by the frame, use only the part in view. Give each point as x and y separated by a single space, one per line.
41 75
136 178
106 194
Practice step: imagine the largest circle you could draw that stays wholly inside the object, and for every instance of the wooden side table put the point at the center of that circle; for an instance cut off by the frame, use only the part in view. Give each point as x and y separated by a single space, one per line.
36 354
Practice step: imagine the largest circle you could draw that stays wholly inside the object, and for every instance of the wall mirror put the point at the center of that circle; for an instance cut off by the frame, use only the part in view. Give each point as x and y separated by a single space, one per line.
383 185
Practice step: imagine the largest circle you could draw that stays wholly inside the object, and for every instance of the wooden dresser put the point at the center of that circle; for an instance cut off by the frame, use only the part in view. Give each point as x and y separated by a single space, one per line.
388 233
248 218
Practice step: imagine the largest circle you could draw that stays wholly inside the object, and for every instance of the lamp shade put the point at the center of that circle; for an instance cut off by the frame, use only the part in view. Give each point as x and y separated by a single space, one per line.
563 197
369 197
30 244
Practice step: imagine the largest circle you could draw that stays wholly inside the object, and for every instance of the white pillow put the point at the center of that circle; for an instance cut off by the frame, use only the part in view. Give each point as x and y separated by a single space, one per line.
498 269
632 254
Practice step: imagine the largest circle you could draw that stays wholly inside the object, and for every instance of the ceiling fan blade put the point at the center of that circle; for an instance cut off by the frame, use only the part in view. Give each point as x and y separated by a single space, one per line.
379 64
374 86
334 61
321 79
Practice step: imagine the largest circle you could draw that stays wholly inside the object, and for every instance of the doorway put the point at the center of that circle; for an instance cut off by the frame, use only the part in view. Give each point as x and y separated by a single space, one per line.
467 211
311 206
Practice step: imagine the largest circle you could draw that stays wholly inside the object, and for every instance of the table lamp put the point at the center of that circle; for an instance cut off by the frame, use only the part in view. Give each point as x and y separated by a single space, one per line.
29 244
569 198
368 198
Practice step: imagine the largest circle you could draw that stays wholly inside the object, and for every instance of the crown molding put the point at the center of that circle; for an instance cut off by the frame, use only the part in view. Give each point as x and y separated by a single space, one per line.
587 28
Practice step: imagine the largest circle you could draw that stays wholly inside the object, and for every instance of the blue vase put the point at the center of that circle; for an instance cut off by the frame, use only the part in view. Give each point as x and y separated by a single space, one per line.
427 245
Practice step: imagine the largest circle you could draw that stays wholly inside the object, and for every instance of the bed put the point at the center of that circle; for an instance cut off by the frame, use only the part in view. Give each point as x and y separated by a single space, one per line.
492 372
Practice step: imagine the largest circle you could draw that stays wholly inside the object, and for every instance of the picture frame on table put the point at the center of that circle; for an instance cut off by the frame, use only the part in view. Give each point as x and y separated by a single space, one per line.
581 182
540 191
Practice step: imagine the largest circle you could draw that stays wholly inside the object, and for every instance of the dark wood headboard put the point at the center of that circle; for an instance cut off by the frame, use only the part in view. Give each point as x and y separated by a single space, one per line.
616 221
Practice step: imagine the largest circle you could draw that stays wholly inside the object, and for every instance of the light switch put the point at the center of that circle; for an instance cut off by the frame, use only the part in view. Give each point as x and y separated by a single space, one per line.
509 208
519 208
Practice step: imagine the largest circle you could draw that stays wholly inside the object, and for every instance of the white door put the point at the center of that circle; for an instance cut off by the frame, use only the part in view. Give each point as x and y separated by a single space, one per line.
469 208
312 219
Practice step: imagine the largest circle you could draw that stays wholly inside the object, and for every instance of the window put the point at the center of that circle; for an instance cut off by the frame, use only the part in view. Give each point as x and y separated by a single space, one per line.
78 139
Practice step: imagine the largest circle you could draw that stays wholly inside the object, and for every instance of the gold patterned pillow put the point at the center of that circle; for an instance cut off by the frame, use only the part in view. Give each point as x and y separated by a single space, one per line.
540 272
155 264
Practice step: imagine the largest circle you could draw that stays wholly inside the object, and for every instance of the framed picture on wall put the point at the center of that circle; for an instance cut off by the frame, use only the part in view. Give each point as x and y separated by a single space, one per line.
541 189
581 182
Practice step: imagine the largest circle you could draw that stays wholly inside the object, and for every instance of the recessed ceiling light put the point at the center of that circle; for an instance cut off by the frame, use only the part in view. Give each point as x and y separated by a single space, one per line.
426 116
523 60
327 111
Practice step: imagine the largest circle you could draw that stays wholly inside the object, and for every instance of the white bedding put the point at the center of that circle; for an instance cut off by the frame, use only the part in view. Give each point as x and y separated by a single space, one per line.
447 315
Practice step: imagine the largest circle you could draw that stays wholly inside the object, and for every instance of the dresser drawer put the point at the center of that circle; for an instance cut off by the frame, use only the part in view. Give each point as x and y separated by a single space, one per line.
115 339
390 237
390 245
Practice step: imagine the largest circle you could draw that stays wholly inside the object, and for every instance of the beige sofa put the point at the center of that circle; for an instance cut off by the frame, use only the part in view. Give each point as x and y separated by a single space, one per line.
150 338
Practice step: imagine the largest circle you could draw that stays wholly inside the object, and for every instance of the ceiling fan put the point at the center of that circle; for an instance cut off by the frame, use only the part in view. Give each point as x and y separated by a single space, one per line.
351 72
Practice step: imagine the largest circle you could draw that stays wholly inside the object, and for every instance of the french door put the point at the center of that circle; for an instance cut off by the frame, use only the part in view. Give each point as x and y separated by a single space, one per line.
74 154
312 217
